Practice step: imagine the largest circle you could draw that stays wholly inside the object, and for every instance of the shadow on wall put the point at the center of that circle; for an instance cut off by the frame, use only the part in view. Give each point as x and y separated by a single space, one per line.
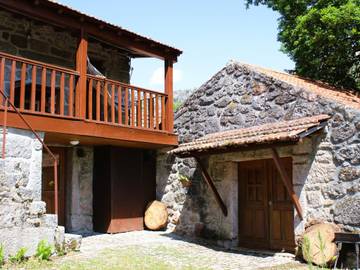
191 205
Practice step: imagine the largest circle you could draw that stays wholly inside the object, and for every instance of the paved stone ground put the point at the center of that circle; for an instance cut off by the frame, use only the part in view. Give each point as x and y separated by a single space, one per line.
181 251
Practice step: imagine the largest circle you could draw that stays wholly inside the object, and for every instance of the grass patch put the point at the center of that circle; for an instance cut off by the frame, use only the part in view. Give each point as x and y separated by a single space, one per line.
135 258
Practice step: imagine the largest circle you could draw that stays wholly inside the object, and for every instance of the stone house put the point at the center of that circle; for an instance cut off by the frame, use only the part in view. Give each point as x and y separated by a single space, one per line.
66 75
282 152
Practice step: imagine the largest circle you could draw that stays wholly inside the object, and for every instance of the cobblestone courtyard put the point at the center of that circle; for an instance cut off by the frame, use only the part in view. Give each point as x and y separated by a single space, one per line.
155 250
146 250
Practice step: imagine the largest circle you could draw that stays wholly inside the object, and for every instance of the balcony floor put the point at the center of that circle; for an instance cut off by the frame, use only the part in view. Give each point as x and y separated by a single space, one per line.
60 130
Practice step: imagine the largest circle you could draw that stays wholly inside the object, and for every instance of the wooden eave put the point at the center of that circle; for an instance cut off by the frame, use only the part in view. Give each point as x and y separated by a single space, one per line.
70 19
61 130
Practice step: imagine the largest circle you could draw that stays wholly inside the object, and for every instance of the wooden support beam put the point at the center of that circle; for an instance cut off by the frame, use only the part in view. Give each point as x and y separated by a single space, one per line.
169 91
286 181
211 184
81 67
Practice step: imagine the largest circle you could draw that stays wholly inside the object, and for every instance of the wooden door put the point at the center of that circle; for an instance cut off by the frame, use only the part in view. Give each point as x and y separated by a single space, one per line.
124 183
281 210
265 210
127 194
253 214
48 193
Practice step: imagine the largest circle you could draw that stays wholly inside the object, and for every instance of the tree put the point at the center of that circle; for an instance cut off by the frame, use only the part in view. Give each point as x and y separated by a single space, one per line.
322 37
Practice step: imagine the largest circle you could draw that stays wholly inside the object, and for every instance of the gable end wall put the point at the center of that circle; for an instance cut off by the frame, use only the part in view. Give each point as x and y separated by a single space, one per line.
326 167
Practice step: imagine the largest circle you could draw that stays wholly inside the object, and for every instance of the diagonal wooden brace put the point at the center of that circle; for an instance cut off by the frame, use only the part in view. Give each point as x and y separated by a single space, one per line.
211 184
286 181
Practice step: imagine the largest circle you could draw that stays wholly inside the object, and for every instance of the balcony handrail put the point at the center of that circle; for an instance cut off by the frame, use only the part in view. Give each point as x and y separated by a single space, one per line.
8 102
104 79
38 63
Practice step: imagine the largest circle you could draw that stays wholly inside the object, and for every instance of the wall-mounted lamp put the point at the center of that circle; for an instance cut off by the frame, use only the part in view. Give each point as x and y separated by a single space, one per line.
74 142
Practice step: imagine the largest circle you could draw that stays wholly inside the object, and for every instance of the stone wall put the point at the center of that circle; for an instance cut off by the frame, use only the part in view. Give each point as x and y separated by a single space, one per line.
23 222
326 169
80 190
38 41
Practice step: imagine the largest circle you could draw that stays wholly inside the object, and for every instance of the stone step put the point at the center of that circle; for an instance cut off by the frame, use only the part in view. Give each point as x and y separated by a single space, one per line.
72 242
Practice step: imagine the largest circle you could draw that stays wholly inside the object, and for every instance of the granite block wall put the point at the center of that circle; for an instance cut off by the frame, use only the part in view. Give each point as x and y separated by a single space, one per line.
23 218
80 190
37 40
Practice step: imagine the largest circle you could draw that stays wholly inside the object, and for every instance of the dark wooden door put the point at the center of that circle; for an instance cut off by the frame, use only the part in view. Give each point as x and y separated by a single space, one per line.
48 192
127 197
265 210
124 183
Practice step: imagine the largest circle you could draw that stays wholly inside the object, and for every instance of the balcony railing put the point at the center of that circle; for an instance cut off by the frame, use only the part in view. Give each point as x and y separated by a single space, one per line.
122 104
39 88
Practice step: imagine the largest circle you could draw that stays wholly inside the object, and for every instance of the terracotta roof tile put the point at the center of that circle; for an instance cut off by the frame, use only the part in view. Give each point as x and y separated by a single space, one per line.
284 131
347 97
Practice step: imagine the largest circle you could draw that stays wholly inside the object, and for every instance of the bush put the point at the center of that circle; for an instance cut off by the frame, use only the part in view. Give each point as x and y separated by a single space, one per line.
19 257
2 256
43 250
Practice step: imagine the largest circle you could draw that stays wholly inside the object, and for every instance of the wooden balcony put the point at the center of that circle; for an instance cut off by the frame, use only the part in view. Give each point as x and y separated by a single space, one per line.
72 105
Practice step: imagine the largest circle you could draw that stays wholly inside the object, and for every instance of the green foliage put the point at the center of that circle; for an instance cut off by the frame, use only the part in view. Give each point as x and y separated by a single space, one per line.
43 250
322 37
177 105
19 257
2 255
306 251
185 181
322 249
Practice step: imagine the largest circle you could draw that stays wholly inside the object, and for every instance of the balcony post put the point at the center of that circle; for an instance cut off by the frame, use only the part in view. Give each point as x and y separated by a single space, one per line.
169 91
81 67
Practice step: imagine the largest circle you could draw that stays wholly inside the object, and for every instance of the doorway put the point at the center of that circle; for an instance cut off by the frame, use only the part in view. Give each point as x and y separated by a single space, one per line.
266 215
48 181
124 183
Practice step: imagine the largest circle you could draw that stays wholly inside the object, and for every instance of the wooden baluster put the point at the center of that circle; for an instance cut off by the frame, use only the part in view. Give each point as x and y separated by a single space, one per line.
126 106
163 126
132 107
145 110
98 101
113 103
43 90
12 81
119 105
105 91
151 113
33 88
62 93
22 86
90 99
2 75
156 112
138 122
71 95
52 92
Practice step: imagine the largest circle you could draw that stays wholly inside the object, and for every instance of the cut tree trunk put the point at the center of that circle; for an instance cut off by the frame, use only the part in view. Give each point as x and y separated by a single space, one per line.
317 244
156 215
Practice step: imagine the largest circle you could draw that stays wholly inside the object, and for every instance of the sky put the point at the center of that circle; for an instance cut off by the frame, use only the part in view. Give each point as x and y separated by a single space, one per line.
210 34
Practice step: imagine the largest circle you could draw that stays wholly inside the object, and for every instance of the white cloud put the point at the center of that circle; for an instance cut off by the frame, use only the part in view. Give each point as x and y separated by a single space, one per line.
158 76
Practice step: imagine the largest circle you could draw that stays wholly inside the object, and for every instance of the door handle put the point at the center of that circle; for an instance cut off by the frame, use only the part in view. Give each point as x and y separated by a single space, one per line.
270 203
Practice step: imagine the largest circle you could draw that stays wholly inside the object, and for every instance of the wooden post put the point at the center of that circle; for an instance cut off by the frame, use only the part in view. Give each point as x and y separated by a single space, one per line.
286 181
211 184
169 125
81 67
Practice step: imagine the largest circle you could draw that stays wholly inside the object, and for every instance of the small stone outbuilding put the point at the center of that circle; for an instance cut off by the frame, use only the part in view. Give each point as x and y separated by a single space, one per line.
322 160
